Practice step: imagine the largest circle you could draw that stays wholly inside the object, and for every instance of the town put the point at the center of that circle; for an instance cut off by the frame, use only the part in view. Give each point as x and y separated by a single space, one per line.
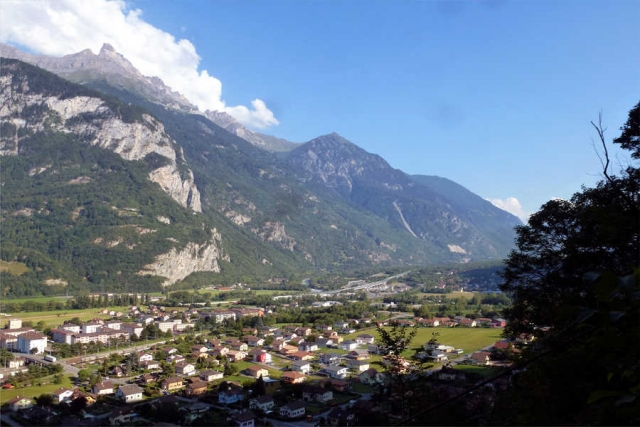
156 365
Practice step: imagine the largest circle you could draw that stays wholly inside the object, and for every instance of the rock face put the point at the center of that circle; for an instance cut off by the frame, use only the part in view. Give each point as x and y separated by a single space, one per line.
175 265
89 117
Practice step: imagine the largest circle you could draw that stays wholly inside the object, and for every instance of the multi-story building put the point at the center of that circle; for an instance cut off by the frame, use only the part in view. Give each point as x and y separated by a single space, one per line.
32 340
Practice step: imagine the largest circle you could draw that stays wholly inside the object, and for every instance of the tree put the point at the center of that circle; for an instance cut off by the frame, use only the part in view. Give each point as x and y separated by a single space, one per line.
574 282
57 379
83 375
45 399
259 389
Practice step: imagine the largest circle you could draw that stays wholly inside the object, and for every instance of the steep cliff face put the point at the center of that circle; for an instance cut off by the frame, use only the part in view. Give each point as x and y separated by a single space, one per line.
24 110
176 264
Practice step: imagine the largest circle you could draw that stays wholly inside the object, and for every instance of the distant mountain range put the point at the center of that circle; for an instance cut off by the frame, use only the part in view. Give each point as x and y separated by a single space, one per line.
121 182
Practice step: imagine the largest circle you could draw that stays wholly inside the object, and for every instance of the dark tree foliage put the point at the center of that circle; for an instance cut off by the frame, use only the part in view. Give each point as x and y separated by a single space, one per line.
574 283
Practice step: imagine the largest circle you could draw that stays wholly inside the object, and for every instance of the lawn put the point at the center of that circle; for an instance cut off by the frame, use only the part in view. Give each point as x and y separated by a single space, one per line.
34 391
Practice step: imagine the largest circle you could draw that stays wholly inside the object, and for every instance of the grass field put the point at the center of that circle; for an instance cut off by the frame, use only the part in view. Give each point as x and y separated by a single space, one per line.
13 267
34 390
37 299
55 318
468 339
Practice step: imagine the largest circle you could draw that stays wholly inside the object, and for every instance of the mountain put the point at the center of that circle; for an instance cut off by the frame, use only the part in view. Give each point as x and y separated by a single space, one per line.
439 212
177 198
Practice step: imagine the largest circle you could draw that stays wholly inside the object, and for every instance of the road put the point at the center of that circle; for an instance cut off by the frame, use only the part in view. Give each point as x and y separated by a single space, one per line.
365 286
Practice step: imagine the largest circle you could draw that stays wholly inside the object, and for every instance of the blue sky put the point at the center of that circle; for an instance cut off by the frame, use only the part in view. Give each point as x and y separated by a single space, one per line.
495 95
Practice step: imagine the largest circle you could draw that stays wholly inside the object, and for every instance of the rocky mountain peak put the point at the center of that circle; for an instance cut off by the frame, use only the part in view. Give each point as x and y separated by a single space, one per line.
106 48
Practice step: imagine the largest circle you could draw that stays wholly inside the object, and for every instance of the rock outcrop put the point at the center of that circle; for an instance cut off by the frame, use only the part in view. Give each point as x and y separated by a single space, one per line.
177 264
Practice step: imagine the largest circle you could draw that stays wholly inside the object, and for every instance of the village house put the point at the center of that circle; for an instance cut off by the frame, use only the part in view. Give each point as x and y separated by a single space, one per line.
302 355
210 375
244 419
316 394
236 355
103 388
481 358
185 368
150 365
239 345
293 409
264 403
147 379
330 358
301 366
308 346
371 377
469 323
129 393
348 345
196 388
253 341
365 339
324 342
144 357
19 403
336 371
257 371
61 394
293 377
171 383
199 349
358 355
358 365
232 395
303 331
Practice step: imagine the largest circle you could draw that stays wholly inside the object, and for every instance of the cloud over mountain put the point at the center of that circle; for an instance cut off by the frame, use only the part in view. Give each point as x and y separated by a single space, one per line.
62 27
511 205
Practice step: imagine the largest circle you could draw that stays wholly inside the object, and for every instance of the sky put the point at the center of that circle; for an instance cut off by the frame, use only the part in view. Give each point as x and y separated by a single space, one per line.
496 95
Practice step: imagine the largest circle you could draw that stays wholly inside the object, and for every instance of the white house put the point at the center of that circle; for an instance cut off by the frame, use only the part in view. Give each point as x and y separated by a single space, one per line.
264 403
129 393
348 345
185 368
337 372
61 394
301 366
293 409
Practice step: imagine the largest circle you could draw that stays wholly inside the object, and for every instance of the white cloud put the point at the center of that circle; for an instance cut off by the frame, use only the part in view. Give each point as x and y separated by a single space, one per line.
61 27
511 205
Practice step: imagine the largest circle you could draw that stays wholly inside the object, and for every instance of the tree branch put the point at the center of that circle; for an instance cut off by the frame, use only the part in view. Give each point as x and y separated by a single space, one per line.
600 130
